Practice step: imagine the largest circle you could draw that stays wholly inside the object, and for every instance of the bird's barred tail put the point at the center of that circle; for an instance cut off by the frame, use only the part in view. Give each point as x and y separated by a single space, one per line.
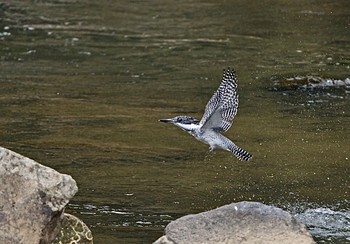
240 153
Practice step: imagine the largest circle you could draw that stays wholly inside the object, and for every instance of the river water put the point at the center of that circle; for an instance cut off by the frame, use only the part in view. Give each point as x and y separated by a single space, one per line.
83 84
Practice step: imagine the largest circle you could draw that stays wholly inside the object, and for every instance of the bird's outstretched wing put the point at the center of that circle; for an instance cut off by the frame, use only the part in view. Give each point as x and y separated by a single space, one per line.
222 107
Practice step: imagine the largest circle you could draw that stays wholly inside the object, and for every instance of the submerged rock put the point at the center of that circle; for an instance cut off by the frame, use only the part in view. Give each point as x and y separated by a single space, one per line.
32 199
243 222
308 83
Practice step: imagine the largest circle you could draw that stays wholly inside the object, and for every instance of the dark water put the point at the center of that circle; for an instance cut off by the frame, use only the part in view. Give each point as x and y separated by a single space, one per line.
83 84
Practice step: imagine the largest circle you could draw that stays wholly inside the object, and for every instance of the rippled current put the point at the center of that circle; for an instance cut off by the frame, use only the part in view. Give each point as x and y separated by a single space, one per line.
84 83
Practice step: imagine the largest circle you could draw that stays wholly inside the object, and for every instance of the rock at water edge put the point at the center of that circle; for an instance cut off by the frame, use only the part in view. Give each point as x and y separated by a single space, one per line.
243 222
32 199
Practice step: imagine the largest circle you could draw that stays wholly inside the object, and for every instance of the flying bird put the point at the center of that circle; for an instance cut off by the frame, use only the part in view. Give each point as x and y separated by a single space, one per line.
218 115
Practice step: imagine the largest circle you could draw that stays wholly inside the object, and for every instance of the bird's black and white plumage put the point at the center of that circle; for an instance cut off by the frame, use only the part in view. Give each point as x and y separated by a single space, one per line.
218 115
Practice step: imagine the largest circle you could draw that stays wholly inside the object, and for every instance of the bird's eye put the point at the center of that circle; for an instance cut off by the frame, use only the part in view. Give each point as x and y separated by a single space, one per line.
179 119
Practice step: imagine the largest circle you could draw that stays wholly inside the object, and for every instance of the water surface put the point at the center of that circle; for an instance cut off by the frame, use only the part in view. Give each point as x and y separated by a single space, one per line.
83 84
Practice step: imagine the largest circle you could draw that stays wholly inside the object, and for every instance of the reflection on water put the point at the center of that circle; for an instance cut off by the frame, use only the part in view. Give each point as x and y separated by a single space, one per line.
83 84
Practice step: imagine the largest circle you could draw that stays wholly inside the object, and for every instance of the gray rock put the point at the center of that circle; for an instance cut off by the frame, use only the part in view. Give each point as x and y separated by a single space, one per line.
32 199
243 222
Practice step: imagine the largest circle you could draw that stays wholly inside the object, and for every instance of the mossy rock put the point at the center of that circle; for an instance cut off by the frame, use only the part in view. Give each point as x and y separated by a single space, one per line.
73 231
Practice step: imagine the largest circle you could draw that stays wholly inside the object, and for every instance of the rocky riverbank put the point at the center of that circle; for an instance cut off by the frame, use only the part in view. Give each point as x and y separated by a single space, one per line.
32 202
243 222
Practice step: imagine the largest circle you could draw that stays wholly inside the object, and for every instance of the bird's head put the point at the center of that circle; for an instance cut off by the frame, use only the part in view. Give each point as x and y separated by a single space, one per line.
184 122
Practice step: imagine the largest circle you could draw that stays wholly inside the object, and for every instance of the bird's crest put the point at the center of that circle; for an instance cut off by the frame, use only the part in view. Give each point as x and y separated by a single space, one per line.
186 120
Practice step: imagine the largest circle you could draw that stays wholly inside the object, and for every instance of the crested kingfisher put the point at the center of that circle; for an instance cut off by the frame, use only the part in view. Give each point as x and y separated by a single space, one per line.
218 115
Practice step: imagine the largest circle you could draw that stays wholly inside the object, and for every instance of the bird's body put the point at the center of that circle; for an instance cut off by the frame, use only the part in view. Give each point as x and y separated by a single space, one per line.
218 115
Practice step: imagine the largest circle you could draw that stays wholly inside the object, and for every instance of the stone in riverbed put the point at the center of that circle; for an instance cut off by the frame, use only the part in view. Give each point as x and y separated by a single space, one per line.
243 222
73 230
32 199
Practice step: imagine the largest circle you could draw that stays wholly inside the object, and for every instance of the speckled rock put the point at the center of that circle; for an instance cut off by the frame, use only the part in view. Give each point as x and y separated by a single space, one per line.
73 230
32 199
243 222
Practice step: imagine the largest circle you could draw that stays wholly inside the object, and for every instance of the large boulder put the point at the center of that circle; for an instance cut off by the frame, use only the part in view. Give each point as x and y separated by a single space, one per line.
32 199
243 222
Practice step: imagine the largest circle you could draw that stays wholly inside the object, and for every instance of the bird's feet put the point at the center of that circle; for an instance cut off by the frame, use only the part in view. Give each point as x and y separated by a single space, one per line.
209 155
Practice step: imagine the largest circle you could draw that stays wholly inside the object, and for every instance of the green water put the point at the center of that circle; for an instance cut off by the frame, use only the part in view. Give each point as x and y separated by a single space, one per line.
83 84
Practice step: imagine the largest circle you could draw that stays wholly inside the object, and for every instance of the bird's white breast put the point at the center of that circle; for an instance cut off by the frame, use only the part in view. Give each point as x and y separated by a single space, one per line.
188 127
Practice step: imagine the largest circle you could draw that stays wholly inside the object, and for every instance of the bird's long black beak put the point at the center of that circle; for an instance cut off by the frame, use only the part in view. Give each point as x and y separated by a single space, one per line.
167 120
